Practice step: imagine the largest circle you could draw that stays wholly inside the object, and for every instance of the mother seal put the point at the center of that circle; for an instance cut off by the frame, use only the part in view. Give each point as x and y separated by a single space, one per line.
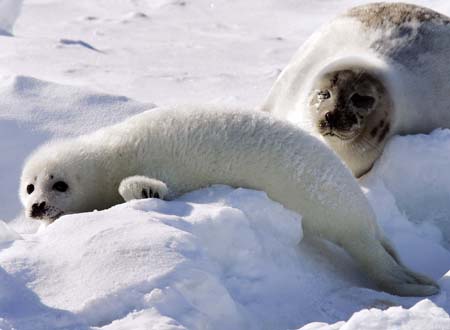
167 152
378 70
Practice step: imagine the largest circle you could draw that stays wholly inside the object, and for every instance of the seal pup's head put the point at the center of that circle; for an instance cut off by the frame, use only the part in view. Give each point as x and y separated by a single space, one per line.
351 109
58 179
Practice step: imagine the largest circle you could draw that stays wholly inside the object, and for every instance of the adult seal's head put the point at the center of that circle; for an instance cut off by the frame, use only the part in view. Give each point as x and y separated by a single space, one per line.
350 108
377 70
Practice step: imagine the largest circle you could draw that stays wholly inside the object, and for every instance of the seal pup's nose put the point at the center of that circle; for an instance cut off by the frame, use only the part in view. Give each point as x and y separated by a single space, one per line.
37 209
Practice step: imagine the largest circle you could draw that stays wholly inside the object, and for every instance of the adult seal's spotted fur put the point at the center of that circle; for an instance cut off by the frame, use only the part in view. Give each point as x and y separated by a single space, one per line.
378 70
167 152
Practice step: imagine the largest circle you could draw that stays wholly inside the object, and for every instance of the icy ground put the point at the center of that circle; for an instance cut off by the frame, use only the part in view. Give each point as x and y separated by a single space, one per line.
218 258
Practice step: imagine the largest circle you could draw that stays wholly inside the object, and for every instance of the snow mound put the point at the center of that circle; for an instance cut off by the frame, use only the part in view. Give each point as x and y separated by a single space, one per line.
413 169
394 318
61 110
33 111
217 258
409 183
9 11
7 234
188 262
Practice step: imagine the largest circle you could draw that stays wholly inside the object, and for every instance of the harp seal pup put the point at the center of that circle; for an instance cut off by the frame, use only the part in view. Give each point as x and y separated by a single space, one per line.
167 152
378 70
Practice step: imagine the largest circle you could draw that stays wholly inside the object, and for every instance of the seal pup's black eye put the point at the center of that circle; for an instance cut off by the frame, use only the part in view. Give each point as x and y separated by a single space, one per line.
60 186
323 95
30 189
362 101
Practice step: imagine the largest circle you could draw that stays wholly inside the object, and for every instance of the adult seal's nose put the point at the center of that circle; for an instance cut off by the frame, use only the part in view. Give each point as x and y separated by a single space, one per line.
329 118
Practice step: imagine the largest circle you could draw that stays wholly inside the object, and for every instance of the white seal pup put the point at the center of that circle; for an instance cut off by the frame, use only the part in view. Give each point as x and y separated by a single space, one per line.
378 70
167 152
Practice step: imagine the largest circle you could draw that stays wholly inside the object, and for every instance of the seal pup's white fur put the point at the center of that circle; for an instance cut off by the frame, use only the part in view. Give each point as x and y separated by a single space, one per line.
168 152
405 47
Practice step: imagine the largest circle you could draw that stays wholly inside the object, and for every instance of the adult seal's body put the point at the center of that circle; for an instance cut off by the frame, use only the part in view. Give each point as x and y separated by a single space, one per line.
378 70
165 153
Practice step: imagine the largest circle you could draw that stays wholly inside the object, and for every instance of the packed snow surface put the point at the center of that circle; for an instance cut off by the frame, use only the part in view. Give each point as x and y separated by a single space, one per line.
217 258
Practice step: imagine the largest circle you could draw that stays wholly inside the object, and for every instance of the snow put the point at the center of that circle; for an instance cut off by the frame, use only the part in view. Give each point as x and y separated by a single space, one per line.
433 194
415 318
172 257
9 11
7 234
217 258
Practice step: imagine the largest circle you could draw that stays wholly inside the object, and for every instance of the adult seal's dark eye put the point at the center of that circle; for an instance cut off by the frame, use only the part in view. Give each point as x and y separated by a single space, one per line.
362 101
60 186
323 95
30 189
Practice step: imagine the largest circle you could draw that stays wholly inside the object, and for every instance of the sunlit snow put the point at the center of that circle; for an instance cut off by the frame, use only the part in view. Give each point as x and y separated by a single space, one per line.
217 258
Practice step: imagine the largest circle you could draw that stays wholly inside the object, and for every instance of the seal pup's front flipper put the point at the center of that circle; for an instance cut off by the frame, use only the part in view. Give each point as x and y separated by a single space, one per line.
140 187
